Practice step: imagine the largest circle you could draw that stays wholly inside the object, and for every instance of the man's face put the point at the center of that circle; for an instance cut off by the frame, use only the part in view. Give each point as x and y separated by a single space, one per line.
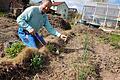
46 6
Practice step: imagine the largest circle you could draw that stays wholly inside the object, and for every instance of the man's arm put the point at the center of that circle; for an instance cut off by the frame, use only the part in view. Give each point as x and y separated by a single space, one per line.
24 18
50 29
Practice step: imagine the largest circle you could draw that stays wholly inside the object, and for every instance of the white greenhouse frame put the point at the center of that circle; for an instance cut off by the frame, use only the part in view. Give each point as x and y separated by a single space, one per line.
107 15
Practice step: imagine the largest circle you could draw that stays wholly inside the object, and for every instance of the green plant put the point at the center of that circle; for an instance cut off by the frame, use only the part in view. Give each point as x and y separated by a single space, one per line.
51 47
112 39
85 54
115 45
87 71
14 49
115 40
37 61
2 14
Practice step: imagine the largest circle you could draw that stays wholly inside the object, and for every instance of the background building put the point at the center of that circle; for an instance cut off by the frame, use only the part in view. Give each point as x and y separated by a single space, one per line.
61 8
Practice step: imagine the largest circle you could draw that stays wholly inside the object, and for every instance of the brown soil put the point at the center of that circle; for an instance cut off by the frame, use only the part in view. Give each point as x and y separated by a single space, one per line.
8 29
67 64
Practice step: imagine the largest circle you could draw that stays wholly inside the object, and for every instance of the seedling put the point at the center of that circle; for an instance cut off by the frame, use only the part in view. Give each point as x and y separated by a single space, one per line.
37 61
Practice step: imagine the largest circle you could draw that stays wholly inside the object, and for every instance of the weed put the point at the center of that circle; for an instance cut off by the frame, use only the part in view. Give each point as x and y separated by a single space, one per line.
14 49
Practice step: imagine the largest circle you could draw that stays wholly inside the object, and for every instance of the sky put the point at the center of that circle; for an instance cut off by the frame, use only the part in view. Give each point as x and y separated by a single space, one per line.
78 4
71 3
114 1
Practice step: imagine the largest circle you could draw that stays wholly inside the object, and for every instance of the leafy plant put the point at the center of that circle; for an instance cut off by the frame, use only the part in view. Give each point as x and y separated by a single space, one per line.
37 61
14 49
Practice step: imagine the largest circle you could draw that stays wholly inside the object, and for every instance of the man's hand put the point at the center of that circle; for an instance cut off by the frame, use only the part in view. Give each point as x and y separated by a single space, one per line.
31 31
63 37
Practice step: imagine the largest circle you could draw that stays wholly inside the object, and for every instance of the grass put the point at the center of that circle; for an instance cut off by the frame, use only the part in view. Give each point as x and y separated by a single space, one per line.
115 40
112 39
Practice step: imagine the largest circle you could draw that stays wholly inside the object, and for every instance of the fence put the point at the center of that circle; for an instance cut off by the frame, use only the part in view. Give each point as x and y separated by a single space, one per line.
107 15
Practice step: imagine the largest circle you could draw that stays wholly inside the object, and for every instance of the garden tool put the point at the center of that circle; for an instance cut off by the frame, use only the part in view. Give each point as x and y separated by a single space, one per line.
40 38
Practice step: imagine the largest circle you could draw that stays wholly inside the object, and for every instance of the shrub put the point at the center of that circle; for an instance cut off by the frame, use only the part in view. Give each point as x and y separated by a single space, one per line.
14 49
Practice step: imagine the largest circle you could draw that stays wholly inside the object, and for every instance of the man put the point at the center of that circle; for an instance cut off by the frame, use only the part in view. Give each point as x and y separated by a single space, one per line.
31 20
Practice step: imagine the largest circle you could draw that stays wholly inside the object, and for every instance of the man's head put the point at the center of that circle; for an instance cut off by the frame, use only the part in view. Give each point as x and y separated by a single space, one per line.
45 5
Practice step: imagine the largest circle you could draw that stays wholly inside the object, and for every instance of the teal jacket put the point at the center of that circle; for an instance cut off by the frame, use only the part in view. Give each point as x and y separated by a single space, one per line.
33 17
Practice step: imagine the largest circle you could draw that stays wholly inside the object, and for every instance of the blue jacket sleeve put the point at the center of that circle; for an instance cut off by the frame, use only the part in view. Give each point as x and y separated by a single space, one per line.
24 18
50 29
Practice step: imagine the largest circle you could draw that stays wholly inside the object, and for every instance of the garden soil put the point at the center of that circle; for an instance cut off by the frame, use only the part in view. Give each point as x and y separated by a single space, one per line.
68 64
